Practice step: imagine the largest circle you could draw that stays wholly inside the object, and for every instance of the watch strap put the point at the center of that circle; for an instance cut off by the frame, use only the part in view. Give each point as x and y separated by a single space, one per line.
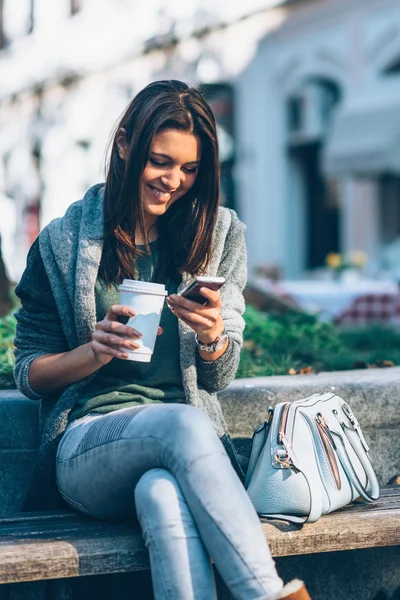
213 346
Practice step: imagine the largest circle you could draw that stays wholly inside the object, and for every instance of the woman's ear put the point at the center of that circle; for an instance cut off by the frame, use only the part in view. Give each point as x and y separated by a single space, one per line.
121 142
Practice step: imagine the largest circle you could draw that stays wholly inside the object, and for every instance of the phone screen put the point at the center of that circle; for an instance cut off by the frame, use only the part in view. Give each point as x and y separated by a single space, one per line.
193 292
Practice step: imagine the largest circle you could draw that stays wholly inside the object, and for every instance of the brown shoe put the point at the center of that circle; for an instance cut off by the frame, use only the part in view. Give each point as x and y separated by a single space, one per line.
295 590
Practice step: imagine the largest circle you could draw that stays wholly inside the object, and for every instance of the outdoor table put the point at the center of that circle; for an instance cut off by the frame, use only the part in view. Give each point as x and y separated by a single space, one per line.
345 302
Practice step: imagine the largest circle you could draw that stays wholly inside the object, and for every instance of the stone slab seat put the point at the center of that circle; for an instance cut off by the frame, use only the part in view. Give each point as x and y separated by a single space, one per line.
51 545
373 394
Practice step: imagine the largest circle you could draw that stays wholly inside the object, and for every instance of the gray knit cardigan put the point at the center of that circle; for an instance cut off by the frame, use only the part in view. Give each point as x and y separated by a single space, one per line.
58 314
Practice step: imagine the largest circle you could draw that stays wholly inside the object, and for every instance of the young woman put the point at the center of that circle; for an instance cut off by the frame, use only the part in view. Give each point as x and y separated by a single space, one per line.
144 439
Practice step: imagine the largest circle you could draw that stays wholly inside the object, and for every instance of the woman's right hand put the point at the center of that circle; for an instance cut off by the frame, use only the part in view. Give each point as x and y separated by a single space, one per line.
107 341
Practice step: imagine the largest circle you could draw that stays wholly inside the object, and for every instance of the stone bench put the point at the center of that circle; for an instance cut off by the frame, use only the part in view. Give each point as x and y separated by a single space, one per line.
355 550
373 394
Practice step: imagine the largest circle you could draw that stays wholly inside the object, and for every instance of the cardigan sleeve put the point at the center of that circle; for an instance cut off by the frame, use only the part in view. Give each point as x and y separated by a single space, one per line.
38 328
216 375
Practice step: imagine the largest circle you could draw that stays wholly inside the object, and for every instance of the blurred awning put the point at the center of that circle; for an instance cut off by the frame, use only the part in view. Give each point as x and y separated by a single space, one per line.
364 142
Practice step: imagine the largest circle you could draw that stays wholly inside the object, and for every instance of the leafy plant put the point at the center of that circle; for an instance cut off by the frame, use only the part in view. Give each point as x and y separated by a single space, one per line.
277 344
7 334
274 344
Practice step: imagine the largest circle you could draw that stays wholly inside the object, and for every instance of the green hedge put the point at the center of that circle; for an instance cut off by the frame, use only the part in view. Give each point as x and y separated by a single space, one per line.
273 345
7 333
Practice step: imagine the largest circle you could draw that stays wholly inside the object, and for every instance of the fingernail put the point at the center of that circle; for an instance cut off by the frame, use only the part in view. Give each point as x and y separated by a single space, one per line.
132 313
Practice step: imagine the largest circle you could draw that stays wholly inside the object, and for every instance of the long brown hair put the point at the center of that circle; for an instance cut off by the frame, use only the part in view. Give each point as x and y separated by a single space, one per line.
185 230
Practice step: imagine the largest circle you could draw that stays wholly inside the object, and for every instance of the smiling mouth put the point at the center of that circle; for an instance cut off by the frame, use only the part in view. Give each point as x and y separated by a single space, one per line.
163 196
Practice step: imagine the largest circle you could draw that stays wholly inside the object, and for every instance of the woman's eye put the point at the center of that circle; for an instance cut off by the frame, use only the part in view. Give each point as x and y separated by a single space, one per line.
156 163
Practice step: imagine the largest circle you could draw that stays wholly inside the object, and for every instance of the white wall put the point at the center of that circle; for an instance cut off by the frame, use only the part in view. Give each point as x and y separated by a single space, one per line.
261 169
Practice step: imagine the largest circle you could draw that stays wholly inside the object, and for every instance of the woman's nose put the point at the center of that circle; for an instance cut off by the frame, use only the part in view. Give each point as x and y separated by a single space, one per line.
172 179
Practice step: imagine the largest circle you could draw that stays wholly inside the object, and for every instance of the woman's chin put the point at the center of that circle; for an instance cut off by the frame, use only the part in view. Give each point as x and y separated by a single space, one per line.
155 211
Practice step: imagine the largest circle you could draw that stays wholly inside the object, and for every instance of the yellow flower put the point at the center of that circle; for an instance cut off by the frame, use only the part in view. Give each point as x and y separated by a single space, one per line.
358 258
333 260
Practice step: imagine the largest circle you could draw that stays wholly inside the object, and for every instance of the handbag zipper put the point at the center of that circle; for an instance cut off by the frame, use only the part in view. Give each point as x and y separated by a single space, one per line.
286 457
283 422
328 442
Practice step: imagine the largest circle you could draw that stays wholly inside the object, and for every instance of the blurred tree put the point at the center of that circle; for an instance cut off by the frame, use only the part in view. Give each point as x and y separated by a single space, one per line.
5 286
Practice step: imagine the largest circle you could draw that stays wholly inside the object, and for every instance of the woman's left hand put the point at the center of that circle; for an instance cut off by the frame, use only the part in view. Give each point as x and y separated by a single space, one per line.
205 320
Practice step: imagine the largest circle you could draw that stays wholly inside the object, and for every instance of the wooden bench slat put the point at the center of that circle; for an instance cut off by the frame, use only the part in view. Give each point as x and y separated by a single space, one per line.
36 516
335 532
72 557
66 544
389 495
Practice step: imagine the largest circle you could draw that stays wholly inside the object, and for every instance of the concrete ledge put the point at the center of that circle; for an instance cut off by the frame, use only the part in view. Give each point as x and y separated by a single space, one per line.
373 394
15 473
19 419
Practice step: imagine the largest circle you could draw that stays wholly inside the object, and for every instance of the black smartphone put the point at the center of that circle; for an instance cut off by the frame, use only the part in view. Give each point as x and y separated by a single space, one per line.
192 289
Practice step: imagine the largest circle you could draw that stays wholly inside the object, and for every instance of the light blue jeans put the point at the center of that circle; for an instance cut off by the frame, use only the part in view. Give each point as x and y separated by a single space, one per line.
167 462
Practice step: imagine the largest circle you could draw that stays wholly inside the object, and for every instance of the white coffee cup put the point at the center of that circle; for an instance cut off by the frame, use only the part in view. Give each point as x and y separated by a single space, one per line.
147 300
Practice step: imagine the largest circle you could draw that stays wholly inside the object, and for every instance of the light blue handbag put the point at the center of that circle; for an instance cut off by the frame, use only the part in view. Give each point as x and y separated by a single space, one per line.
309 458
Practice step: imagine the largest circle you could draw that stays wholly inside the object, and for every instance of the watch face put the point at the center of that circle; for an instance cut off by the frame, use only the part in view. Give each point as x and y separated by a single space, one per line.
221 342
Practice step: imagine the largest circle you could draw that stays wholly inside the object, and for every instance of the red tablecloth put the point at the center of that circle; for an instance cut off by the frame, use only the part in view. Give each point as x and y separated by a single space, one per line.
345 303
371 308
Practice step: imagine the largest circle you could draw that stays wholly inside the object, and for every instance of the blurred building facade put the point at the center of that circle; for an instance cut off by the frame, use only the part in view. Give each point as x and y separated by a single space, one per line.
306 95
321 141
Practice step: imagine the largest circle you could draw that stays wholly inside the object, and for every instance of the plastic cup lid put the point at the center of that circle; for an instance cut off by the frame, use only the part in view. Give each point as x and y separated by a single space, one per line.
143 287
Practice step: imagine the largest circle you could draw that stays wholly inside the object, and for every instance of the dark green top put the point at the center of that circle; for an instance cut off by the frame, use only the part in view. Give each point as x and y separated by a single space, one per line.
123 383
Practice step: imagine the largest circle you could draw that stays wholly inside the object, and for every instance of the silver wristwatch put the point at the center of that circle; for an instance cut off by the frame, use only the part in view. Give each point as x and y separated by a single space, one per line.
215 345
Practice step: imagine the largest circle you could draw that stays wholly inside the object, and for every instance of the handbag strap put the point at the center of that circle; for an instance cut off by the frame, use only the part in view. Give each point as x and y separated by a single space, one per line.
371 494
315 510
356 439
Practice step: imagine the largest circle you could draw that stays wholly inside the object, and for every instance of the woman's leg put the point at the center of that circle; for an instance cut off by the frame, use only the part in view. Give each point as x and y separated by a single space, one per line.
99 472
180 567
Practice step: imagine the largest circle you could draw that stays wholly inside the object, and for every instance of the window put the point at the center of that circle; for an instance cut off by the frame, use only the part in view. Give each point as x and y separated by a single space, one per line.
393 68
310 108
75 6
295 113
16 20
2 38
222 101
31 16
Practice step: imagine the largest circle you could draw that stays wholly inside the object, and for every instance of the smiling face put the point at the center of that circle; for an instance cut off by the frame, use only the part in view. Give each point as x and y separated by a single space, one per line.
171 171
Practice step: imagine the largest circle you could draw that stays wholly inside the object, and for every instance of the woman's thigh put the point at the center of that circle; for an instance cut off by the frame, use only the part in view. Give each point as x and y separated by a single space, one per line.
101 459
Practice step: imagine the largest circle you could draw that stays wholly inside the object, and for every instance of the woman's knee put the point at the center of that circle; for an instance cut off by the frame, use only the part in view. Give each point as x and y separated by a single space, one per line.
188 424
157 495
